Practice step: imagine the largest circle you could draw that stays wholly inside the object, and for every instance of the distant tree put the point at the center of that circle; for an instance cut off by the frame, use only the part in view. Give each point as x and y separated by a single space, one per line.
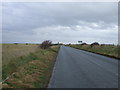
16 43
26 43
46 44
94 44
83 44
60 43
103 45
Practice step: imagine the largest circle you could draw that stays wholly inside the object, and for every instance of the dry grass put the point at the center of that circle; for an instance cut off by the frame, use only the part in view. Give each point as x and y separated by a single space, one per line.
11 55
11 51
107 50
33 70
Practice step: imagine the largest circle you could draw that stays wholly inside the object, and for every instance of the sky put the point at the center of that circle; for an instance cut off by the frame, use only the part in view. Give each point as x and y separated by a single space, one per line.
64 22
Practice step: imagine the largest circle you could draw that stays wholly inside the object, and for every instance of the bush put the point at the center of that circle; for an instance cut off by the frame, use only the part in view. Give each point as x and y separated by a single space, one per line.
26 43
94 44
83 44
46 44
16 43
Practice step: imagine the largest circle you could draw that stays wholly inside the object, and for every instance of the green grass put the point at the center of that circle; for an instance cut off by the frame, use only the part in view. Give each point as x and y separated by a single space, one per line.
107 50
31 71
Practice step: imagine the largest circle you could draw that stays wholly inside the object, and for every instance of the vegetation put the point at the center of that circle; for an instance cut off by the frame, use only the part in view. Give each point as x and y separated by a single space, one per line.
46 44
94 44
10 52
104 49
28 69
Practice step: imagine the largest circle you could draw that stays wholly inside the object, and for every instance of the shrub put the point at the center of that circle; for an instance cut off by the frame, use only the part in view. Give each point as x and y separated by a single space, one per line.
83 44
46 44
16 43
26 43
94 44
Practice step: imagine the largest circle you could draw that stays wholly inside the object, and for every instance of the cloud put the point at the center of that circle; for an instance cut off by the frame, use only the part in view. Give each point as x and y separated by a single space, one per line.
64 22
76 33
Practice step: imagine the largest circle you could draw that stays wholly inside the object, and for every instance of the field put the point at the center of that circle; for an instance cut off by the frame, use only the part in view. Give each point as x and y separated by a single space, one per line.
12 51
27 66
107 50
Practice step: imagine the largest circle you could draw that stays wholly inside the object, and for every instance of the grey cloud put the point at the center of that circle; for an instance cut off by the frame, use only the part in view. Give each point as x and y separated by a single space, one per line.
27 17
45 14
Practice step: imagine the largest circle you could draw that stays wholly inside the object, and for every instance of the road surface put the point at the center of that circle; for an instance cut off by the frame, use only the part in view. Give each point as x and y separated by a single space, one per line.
80 69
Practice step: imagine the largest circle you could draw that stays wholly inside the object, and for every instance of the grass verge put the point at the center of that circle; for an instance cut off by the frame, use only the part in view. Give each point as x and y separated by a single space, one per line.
107 50
31 71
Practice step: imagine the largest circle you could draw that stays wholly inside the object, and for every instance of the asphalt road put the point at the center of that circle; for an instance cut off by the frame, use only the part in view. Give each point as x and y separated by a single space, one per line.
80 69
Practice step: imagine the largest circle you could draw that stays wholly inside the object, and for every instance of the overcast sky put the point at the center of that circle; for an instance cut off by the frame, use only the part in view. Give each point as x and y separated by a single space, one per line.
60 22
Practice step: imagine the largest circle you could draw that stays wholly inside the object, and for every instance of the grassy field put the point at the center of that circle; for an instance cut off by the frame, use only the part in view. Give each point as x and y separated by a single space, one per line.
107 50
27 66
12 51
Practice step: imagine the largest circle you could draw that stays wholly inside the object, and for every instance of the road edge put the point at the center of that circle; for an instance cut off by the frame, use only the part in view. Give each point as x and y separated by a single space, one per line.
53 71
